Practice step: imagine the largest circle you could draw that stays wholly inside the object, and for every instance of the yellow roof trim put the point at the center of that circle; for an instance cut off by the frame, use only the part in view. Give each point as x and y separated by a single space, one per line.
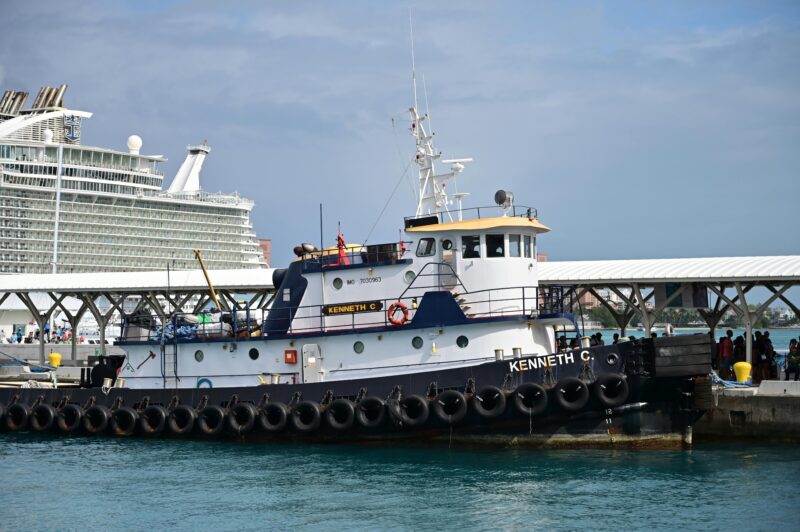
484 223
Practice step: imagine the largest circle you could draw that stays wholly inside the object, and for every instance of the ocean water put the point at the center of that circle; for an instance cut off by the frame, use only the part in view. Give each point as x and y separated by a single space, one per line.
57 483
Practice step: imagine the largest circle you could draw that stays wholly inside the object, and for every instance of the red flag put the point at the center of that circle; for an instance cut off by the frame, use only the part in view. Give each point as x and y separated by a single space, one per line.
343 259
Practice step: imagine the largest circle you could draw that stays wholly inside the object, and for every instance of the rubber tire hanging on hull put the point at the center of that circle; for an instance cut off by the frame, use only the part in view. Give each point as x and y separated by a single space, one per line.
530 399
306 416
96 418
124 421
412 411
571 394
611 390
70 419
43 418
489 402
242 418
2 412
273 417
181 420
153 420
371 412
211 420
340 414
17 417
450 406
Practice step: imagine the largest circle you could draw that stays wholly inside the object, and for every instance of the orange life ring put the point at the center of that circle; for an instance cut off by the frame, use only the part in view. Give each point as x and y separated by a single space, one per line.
393 308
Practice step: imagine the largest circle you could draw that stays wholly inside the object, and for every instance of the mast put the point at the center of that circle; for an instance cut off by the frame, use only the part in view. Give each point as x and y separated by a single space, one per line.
432 197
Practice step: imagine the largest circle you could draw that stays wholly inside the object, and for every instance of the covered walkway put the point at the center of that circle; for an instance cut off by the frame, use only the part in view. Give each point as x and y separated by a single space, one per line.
104 294
646 287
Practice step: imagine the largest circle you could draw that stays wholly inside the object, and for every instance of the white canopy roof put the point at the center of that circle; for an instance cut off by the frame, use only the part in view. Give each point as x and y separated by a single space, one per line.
237 280
717 269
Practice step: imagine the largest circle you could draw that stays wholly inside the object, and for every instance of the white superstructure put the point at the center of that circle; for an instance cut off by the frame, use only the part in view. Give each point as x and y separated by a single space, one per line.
65 207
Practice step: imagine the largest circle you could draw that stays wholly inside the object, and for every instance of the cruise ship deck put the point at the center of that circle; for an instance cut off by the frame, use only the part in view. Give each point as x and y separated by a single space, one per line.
69 208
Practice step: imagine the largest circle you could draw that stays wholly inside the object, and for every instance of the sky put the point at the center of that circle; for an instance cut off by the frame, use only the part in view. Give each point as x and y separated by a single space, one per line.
637 129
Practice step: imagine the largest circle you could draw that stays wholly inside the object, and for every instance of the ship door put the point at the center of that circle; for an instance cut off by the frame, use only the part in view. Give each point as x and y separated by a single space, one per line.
312 363
448 266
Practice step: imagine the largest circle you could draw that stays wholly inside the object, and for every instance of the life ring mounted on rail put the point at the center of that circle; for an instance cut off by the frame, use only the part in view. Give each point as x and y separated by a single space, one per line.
393 308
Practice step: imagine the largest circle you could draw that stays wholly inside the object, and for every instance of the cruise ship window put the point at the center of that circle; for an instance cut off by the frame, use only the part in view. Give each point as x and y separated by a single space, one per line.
495 246
527 246
471 246
426 247
513 246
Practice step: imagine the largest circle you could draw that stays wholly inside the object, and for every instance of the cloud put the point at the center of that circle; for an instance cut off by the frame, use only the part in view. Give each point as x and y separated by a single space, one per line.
629 127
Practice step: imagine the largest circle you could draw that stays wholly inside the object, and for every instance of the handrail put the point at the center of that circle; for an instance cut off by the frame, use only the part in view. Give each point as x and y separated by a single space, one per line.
528 301
517 211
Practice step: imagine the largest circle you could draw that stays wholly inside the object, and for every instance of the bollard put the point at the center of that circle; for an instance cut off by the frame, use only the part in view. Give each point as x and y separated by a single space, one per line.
498 354
742 370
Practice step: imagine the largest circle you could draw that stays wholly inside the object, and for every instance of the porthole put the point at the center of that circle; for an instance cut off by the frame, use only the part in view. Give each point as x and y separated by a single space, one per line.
612 359
416 342
198 355
253 353
358 347
462 341
447 244
410 276
338 283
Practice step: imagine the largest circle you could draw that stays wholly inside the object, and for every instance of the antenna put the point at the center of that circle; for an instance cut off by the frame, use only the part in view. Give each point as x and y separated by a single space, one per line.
413 64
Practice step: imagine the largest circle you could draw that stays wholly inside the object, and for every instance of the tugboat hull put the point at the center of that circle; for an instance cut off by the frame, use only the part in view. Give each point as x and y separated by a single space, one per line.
608 396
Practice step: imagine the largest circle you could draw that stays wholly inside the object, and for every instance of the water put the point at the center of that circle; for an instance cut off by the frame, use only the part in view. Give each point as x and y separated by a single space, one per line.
82 483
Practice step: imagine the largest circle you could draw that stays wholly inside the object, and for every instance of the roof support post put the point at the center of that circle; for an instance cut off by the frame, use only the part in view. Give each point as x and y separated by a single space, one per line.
647 317
40 319
747 317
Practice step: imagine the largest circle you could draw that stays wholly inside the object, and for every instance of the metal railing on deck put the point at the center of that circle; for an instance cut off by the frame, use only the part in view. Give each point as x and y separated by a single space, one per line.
522 301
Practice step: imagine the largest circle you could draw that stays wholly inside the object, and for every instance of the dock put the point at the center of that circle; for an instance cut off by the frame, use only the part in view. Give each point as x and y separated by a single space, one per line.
769 412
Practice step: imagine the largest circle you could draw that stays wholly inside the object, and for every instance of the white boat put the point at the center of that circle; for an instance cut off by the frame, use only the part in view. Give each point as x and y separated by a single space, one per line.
444 336
66 207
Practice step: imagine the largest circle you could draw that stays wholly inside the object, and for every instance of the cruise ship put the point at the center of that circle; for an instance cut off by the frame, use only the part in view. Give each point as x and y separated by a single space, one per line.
66 207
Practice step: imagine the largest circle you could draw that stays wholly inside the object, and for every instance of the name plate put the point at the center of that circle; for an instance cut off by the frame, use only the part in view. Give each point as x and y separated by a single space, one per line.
352 308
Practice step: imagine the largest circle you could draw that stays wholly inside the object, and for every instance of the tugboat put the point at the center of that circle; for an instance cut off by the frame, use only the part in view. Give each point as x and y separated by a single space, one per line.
444 336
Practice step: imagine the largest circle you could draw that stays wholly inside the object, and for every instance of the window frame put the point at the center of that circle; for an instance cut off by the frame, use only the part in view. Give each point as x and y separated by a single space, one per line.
431 247
490 253
464 247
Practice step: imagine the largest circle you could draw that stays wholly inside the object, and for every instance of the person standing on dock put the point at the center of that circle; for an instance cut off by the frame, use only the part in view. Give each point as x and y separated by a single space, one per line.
793 361
726 356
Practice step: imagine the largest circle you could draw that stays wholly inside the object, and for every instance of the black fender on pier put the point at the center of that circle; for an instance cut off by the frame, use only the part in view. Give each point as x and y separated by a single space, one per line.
273 417
123 421
306 416
17 417
181 420
153 420
340 414
96 419
70 418
611 389
489 402
241 418
43 417
450 406
571 394
530 399
371 412
211 420
411 411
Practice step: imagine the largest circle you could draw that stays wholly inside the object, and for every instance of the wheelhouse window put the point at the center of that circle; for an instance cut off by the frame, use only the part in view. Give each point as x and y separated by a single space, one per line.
495 246
426 247
514 249
471 246
527 247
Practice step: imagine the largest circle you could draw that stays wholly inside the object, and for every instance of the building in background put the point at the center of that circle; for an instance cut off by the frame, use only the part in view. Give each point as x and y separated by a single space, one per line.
65 207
